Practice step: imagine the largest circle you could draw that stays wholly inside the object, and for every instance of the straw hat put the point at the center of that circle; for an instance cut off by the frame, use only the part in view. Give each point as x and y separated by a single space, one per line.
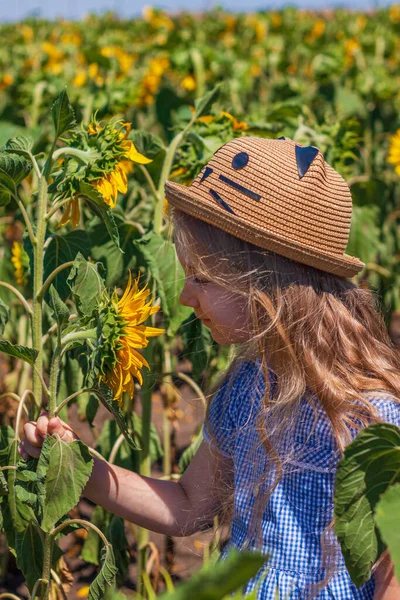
278 195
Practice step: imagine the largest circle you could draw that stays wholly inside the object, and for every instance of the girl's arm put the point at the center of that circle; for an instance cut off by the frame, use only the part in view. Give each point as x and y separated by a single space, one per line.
386 585
176 509
173 508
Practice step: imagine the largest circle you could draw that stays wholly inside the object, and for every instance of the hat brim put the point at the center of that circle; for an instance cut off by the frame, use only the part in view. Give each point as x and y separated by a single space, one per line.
185 200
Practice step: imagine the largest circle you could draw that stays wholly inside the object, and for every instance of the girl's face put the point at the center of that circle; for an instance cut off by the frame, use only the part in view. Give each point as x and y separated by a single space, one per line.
225 313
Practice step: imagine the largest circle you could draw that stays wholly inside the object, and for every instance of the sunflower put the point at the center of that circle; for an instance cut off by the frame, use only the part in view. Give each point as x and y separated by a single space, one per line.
394 151
73 205
117 181
19 260
132 311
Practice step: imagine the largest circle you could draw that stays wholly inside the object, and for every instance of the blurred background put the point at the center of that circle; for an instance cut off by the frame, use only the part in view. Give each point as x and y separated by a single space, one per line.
76 9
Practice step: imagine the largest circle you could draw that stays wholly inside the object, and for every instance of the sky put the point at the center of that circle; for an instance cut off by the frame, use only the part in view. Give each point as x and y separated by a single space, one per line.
76 9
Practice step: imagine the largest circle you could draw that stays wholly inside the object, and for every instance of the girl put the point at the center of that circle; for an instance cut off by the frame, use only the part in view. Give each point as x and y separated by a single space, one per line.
261 234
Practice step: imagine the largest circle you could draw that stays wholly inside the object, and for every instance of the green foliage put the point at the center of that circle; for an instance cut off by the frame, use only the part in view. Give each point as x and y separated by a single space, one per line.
13 169
189 453
4 315
27 354
60 250
62 114
197 342
106 577
102 210
60 310
370 465
217 580
165 268
63 471
113 528
86 285
387 520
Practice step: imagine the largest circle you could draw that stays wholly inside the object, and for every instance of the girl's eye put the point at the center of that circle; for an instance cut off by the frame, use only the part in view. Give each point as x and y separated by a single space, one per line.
199 281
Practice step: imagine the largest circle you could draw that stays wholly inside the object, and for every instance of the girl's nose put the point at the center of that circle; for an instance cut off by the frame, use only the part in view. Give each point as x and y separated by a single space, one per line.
188 297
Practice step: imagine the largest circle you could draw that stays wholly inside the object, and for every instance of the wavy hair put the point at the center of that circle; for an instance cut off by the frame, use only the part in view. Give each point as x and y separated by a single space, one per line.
322 336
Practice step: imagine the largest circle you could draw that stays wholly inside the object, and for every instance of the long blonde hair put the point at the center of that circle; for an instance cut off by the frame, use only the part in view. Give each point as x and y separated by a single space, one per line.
321 335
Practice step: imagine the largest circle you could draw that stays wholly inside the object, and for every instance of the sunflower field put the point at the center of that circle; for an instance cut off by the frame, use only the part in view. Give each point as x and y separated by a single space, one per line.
94 117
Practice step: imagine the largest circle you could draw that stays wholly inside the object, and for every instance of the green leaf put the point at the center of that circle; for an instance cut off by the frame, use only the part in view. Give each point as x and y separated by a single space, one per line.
4 314
146 143
387 513
203 105
167 271
62 113
19 145
92 544
27 354
29 549
189 453
65 469
371 463
86 285
105 250
60 310
106 578
21 514
197 342
13 169
3 485
105 395
64 249
364 238
214 581
101 209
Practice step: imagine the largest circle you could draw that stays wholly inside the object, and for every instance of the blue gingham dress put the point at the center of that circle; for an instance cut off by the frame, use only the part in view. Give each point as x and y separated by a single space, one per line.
301 506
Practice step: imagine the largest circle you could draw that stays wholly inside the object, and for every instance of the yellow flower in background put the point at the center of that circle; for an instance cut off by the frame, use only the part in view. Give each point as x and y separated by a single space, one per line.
351 47
361 22
151 81
71 212
276 19
52 51
394 151
71 38
394 13
157 18
27 33
133 311
188 83
317 31
6 80
237 125
19 260
80 78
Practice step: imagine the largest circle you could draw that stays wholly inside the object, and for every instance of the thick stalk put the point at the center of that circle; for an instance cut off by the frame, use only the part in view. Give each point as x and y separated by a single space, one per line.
145 469
54 371
46 573
166 169
37 285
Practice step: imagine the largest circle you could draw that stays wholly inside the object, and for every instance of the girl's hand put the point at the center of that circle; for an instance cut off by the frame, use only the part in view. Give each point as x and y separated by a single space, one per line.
36 432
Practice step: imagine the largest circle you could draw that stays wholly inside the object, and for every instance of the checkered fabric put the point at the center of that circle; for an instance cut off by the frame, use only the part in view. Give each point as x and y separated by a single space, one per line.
301 506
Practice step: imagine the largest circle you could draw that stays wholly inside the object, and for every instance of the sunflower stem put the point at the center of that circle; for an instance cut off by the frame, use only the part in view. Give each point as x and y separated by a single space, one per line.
85 156
166 169
38 252
145 465
52 276
54 371
84 334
